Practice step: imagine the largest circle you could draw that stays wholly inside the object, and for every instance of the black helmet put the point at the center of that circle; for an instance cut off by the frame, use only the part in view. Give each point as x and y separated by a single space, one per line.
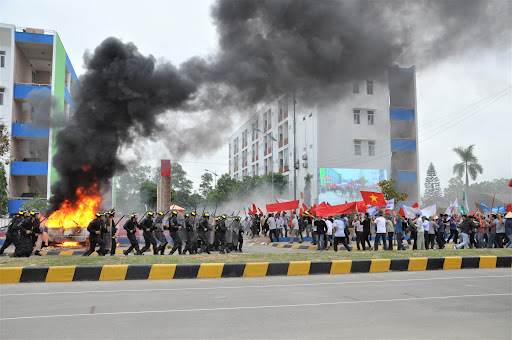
133 215
206 215
161 213
33 212
150 213
187 215
174 212
193 213
98 214
224 216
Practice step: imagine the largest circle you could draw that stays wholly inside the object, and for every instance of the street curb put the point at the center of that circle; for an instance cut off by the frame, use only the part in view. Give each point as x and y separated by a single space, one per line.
251 269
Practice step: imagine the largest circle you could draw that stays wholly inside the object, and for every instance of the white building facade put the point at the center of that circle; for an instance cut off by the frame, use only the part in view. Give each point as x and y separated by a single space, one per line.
347 145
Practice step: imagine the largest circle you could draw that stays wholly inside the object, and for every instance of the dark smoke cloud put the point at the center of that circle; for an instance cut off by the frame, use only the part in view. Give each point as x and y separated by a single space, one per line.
266 49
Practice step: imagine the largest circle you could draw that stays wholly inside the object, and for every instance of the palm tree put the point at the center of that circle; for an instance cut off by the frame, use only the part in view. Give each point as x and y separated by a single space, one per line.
468 166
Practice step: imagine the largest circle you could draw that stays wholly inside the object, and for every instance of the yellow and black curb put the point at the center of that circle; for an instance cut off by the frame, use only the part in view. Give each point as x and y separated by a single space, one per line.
251 269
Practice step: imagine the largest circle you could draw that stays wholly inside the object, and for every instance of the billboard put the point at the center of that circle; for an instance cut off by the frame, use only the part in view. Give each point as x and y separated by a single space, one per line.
337 186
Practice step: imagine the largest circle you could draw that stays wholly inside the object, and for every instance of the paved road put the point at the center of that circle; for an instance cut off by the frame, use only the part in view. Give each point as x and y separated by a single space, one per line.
440 304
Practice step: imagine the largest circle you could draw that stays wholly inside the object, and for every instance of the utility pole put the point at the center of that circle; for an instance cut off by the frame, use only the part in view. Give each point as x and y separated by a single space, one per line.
272 164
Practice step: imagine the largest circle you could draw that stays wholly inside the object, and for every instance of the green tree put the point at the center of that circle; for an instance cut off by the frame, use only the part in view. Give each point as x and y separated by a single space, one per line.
195 201
128 188
307 190
390 192
433 192
37 203
5 139
3 190
181 184
206 184
148 194
469 165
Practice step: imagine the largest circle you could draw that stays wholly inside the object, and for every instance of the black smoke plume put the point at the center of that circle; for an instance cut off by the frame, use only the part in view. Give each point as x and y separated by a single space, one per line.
266 48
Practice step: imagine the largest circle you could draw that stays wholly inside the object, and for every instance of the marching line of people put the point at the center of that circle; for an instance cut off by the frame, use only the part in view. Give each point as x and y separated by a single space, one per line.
26 234
493 231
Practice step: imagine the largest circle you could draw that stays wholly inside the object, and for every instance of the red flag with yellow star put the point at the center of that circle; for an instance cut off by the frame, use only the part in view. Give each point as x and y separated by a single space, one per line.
374 198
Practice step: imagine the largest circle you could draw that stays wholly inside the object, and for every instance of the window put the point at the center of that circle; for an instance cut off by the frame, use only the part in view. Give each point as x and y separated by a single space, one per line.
357 117
355 87
357 147
371 148
1 96
370 117
2 58
369 87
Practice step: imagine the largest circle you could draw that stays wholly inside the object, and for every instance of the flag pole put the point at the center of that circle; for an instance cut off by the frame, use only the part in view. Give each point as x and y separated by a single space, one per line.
492 206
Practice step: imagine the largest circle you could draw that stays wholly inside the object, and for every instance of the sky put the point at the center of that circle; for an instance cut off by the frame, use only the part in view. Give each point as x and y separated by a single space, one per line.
454 103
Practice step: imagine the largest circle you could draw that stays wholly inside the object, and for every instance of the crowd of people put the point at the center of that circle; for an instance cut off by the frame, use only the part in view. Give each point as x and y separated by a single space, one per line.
204 234
478 231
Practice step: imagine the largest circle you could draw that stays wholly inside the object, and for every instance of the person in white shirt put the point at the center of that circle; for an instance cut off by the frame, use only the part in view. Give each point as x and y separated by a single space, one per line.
294 232
426 227
329 224
286 223
339 234
418 222
380 222
272 226
358 227
280 222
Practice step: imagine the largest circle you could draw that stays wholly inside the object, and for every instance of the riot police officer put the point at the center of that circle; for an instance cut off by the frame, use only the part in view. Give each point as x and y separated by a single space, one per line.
95 238
191 243
159 232
25 243
220 234
147 228
174 229
11 237
203 230
131 227
113 232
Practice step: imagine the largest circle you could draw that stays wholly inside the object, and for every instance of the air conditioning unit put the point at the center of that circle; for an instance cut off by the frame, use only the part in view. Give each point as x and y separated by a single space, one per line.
304 157
305 165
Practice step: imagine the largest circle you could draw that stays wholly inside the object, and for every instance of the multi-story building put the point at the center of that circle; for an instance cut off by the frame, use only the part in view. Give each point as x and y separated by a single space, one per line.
347 144
31 59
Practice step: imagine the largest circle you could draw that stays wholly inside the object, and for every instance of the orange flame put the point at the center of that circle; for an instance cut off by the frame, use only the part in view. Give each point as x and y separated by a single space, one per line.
79 213
68 244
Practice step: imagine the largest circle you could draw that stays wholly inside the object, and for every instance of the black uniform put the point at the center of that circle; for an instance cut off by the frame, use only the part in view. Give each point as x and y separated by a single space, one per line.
191 243
24 246
147 228
95 239
159 233
131 227
203 230
174 231
113 243
220 235
11 237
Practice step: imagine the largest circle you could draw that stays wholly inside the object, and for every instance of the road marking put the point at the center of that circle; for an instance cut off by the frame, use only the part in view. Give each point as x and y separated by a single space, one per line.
254 307
351 298
411 295
247 287
260 286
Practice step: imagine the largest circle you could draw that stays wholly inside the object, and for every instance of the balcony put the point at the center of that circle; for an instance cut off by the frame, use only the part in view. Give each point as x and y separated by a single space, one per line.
279 118
269 151
257 157
286 168
265 152
281 169
281 143
29 168
286 141
253 159
21 91
28 130
286 115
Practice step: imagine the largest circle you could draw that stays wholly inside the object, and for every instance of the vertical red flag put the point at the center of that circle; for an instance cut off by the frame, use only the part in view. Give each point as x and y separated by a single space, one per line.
254 208
401 212
415 206
304 208
261 212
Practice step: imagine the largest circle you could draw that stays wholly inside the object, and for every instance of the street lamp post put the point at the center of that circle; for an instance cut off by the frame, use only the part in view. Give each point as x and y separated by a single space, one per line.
215 178
273 140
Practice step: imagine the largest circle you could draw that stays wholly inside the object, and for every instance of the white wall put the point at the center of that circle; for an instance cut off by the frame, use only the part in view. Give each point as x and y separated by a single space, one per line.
6 80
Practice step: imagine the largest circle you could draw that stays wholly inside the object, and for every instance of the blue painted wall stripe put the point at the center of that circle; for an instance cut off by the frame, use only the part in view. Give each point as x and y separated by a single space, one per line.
29 168
406 177
71 69
401 114
13 206
34 37
29 130
22 91
68 97
403 145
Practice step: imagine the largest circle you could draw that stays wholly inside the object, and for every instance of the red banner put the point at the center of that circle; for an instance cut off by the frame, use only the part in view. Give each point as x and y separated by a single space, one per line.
336 209
361 207
292 205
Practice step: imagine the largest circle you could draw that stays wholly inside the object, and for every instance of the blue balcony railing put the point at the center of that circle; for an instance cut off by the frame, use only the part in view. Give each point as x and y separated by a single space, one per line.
29 130
21 91
29 168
